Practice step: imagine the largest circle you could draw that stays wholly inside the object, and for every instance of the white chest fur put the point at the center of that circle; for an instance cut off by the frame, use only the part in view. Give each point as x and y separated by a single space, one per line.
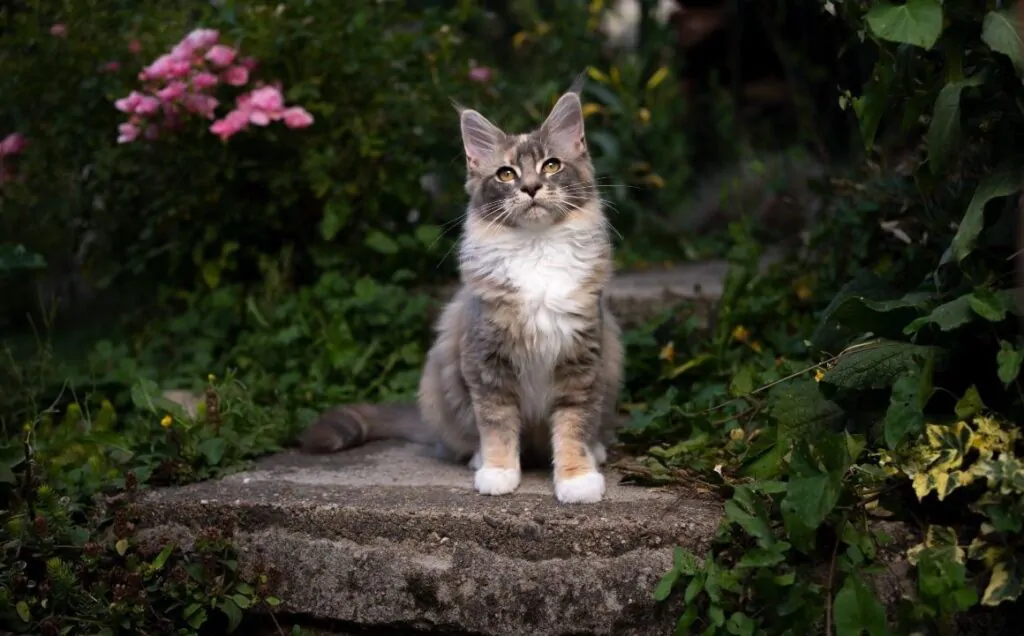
548 269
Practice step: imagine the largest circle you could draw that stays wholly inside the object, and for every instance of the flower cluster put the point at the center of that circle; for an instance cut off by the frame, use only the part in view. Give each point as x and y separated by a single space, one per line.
182 82
11 146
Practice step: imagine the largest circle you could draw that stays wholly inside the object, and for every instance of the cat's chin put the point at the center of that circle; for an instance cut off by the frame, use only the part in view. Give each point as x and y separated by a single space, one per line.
536 217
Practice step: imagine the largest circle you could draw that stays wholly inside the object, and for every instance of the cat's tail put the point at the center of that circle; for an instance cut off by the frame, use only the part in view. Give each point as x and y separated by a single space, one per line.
351 425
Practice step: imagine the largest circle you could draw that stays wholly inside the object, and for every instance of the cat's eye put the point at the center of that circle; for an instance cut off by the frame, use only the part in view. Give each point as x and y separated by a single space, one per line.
551 166
505 174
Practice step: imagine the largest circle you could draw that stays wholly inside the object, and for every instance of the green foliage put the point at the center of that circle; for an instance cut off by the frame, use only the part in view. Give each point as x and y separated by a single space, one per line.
905 401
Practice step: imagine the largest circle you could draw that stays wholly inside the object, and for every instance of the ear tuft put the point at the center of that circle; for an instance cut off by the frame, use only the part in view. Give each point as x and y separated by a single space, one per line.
480 138
564 126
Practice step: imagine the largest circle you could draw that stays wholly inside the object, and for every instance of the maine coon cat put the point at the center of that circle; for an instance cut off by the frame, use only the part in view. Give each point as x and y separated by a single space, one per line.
527 362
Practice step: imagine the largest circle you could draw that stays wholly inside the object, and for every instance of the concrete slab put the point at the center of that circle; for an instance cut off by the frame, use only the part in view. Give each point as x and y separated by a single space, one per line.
385 535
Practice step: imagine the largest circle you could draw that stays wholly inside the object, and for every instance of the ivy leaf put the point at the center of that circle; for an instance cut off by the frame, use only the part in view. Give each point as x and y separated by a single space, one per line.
336 215
876 364
857 610
1001 183
910 393
739 624
1009 360
23 612
800 408
970 404
944 130
1005 584
1001 32
918 22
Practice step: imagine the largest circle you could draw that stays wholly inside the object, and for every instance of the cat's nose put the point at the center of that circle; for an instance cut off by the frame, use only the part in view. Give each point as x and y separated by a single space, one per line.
530 188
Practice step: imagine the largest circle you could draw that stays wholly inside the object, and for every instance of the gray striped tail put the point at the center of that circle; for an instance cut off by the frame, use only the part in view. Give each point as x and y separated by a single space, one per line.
351 425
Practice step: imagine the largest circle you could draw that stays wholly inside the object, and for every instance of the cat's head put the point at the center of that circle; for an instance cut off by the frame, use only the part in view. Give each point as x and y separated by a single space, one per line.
533 180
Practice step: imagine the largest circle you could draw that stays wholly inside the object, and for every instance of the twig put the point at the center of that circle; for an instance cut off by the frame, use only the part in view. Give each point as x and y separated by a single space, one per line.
828 590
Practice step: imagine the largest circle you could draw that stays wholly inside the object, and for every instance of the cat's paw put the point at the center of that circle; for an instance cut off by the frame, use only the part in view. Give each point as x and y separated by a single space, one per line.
600 453
586 488
476 461
496 481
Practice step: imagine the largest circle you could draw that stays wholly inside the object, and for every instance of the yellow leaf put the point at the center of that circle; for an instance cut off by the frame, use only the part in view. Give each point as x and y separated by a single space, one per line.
592 108
121 546
654 181
657 78
643 115
740 333
756 346
668 352
818 375
519 39
1003 586
616 78
597 75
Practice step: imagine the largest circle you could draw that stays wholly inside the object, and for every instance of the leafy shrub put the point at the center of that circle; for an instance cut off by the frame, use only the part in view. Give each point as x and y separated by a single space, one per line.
892 395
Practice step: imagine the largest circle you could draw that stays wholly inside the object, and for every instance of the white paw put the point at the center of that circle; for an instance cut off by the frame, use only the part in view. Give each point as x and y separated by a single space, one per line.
476 461
496 481
600 453
588 488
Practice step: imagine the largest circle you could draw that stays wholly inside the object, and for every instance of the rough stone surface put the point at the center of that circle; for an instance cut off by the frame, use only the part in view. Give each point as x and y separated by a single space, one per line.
386 535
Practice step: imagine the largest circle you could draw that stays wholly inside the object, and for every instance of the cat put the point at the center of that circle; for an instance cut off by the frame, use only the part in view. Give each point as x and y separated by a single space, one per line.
527 363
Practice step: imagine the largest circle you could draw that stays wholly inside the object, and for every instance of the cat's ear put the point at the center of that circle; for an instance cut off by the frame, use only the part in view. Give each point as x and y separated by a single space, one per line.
564 126
480 138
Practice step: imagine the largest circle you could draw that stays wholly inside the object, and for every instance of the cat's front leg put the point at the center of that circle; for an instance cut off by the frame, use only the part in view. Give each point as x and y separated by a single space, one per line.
498 471
575 422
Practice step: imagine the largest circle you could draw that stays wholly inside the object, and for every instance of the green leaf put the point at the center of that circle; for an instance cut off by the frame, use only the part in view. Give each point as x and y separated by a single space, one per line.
685 561
800 408
944 130
947 316
970 404
23 612
812 498
762 558
18 257
990 305
918 22
381 243
233 613
739 624
910 394
1001 183
856 610
428 235
755 525
1009 360
1001 32
688 618
876 364
213 449
336 214
665 585
161 559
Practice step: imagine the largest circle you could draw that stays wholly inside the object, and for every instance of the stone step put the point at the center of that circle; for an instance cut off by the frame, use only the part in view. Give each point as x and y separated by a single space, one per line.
387 536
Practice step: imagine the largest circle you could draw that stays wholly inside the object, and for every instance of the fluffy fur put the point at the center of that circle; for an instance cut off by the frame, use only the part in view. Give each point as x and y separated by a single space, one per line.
526 365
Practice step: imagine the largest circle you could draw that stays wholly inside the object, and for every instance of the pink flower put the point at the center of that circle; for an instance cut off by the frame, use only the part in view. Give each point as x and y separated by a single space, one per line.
174 90
112 67
13 144
147 105
204 80
180 68
250 63
134 46
235 122
203 105
127 132
480 74
259 117
236 76
297 117
59 30
267 98
202 38
128 104
221 55
159 69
